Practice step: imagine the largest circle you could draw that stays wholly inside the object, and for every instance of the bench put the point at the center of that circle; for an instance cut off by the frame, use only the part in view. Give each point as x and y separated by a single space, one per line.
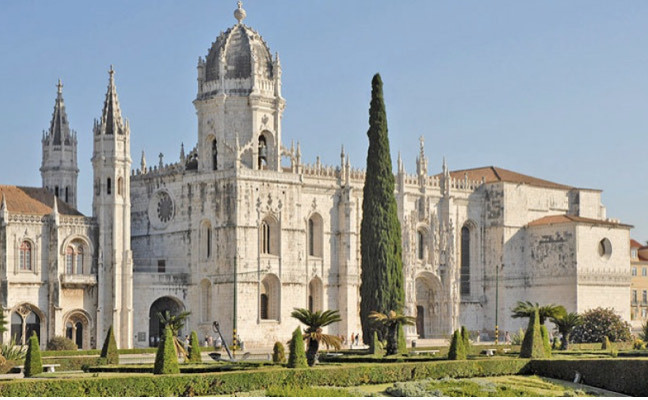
419 352
46 367
490 352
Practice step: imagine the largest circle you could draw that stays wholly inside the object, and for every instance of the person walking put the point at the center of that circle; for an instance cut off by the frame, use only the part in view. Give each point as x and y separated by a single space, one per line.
352 339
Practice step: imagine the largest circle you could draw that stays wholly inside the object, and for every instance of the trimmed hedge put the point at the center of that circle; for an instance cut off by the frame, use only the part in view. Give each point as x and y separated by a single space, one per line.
623 376
166 358
109 350
232 382
184 368
33 363
144 350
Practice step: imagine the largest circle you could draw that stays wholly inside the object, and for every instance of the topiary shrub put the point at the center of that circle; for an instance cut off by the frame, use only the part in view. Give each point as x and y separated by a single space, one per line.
518 337
532 345
601 322
33 363
166 358
194 355
605 343
376 347
546 343
61 343
457 350
278 353
402 340
297 357
465 337
109 351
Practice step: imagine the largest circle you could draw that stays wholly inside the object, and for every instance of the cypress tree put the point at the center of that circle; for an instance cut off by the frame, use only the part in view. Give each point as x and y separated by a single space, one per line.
465 337
381 287
278 353
545 341
402 340
109 352
375 347
297 357
166 357
457 350
33 363
532 345
194 355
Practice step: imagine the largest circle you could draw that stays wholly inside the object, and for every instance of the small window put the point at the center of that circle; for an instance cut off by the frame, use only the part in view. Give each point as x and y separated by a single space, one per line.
108 186
605 248
161 266
643 272
214 155
633 253
67 192
69 260
265 238
264 306
56 191
25 262
644 296
634 296
634 271
263 152
421 245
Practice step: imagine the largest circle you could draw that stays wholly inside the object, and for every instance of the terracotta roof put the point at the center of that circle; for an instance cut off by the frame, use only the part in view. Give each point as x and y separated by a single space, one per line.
34 201
562 219
495 174
634 244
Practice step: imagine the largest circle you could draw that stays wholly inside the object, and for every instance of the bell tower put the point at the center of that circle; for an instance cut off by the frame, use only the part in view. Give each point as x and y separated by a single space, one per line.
111 163
59 169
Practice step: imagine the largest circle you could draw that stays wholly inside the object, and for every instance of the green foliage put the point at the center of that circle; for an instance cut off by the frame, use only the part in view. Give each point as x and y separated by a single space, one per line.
605 343
194 349
376 347
643 335
61 343
465 337
13 352
129 385
315 321
184 368
639 345
175 323
278 353
109 350
565 324
297 357
601 322
518 337
33 363
166 358
533 345
524 309
402 340
381 280
392 323
307 391
457 350
3 323
546 344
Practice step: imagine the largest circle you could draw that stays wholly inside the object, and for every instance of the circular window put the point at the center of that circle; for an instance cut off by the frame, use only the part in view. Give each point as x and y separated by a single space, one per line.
605 248
161 209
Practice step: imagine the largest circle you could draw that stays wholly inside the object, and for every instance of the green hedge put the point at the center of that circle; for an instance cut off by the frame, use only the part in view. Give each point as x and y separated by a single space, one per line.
184 368
626 376
232 382
146 350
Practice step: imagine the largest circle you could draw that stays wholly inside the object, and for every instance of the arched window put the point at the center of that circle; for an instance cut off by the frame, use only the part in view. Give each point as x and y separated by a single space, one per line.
67 191
25 262
315 295
24 321
465 261
263 152
56 191
214 149
108 186
311 239
120 186
205 300
79 260
315 235
265 237
269 298
206 240
264 306
420 244
69 260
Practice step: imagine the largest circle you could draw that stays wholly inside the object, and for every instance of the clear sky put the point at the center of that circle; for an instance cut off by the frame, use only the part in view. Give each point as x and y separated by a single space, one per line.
552 89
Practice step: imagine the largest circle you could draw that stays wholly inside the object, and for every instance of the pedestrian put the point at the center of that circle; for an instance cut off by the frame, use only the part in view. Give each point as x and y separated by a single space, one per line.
186 342
206 343
357 341
352 339
507 337
218 343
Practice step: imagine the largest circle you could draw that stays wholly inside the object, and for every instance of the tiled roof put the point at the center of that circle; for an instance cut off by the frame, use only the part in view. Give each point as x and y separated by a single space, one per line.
562 219
634 244
495 174
33 201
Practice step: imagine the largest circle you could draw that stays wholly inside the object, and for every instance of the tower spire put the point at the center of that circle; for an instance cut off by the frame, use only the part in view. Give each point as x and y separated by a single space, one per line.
111 117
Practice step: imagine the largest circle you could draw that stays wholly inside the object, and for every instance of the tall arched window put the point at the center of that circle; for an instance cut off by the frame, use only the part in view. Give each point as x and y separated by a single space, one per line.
205 300
75 257
69 260
263 152
420 244
206 240
465 261
214 149
315 295
269 298
79 260
108 186
315 235
25 262
311 239
67 192
24 321
265 237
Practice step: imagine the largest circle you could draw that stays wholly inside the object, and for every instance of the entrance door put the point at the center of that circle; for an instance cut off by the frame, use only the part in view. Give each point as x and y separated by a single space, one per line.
79 335
420 321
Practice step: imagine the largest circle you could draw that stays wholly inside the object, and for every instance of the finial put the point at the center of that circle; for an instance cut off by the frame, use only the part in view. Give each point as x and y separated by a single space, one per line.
3 205
111 72
422 141
161 160
59 87
182 153
143 162
240 13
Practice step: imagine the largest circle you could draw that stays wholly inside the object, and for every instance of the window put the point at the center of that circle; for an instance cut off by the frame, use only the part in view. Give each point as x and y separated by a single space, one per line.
311 238
108 186
315 295
265 238
644 296
161 266
263 152
644 313
74 261
420 236
24 321
315 235
264 306
634 271
269 298
465 261
206 240
79 260
633 253
643 271
605 248
214 155
69 260
56 191
25 262
67 192
634 296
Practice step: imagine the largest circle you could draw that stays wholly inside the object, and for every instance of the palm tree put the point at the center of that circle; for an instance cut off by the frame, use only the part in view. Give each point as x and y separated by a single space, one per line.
315 321
524 309
566 324
391 321
175 322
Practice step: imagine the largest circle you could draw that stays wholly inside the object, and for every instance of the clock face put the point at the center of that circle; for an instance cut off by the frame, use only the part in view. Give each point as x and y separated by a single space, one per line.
161 209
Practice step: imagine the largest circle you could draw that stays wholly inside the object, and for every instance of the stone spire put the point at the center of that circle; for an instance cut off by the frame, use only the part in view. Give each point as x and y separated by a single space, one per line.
111 119
59 131
143 162
421 160
240 13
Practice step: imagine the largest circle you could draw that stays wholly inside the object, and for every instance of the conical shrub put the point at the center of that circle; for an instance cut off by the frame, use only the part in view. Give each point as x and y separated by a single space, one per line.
376 347
605 344
33 363
109 352
546 343
278 353
166 358
457 350
532 345
297 357
194 349
402 340
465 337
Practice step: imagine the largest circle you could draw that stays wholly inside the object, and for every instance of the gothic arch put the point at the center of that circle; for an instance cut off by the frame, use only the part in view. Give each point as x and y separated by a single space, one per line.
205 300
27 258
27 318
315 235
270 298
422 243
428 289
266 146
211 152
468 255
315 294
269 236
162 304
82 251
78 326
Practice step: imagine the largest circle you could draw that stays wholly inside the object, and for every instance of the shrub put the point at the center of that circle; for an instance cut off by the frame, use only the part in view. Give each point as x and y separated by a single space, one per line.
297 357
457 350
166 358
465 337
11 351
33 363
545 341
278 353
605 343
643 335
518 337
307 391
109 350
533 346
194 349
402 340
638 344
601 322
376 347
61 343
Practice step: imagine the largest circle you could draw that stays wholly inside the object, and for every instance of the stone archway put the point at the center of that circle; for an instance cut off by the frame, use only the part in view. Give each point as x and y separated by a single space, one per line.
161 305
428 311
78 329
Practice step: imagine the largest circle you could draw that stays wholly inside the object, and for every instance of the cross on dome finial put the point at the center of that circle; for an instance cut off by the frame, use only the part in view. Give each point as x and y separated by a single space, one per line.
239 13
59 87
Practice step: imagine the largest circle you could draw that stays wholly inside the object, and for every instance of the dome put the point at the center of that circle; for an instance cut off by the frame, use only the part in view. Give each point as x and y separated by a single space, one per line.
237 47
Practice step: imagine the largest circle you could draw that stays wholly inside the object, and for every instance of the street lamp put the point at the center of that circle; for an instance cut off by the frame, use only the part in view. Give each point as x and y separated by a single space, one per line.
497 268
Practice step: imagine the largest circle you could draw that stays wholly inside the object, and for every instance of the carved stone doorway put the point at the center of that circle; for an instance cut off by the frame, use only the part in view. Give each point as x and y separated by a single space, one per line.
420 321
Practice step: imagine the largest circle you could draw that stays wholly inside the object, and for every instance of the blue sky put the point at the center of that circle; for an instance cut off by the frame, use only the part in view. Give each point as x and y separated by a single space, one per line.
553 89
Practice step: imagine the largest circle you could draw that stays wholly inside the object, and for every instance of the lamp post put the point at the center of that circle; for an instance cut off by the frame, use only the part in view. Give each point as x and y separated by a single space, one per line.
497 268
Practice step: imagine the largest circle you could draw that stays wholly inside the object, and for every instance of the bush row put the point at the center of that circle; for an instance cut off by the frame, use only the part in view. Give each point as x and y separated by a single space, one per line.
184 368
232 382
145 350
68 363
626 376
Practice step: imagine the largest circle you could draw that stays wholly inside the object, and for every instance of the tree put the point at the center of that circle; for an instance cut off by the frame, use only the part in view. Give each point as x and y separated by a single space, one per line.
402 340
532 345
524 309
391 322
109 352
545 341
465 336
297 357
61 343
3 323
598 323
457 350
565 325
278 353
176 323
314 322
194 349
166 357
376 347
643 335
381 286
33 363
